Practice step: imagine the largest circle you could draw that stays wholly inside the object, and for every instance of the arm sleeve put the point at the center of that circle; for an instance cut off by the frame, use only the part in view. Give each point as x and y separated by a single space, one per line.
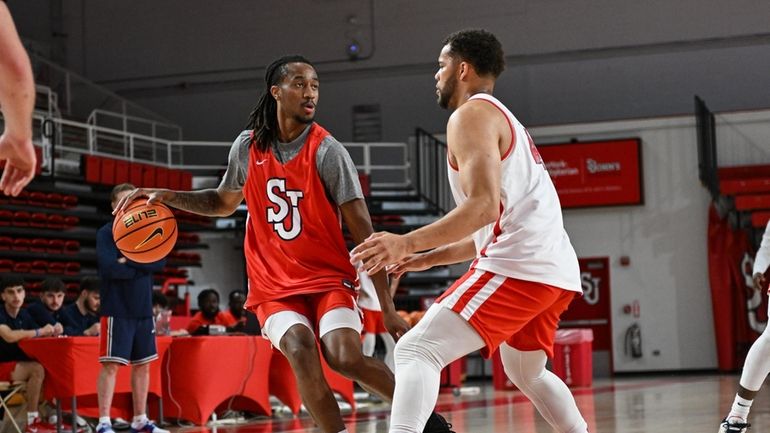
762 260
338 172
107 255
237 163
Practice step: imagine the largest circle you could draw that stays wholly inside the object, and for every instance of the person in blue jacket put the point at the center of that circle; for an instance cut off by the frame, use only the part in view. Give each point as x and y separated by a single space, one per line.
82 316
49 310
127 327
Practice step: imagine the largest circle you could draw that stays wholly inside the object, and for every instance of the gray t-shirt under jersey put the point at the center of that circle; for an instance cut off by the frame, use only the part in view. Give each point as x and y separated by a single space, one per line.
338 173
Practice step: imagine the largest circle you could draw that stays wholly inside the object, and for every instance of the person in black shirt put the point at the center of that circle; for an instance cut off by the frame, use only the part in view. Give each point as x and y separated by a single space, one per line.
49 310
82 316
15 325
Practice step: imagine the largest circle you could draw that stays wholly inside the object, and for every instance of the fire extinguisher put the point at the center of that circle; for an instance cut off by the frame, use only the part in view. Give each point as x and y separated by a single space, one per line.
633 343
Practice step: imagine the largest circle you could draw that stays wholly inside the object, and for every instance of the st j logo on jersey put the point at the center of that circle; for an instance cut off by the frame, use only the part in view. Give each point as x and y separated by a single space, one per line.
284 216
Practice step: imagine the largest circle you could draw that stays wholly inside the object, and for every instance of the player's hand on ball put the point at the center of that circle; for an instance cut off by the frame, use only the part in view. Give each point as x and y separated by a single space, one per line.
759 281
395 324
380 250
412 263
154 195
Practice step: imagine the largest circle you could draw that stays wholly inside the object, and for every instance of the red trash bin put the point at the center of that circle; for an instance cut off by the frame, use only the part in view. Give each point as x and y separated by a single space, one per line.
572 357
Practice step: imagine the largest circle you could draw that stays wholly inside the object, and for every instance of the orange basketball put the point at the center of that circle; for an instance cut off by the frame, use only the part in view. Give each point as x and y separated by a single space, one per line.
145 233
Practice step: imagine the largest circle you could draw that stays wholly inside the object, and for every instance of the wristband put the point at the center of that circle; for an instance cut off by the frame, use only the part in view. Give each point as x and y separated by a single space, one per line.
37 332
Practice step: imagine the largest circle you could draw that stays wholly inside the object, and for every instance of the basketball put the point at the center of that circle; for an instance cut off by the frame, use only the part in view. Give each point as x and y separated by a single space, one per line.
145 233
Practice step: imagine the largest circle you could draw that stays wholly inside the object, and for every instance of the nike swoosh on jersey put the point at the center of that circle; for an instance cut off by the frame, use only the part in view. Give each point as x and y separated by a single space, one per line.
156 232
261 162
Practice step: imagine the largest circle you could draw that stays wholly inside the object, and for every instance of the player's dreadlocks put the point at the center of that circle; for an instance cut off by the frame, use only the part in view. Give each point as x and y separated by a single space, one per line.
264 118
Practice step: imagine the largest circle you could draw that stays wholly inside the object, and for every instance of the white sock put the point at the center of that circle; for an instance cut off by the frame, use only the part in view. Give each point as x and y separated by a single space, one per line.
757 364
740 410
139 421
105 420
544 389
31 417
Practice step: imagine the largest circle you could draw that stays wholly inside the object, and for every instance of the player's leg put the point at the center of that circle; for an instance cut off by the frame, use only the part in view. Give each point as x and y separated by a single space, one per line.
524 357
144 351
291 332
114 351
34 374
441 337
755 370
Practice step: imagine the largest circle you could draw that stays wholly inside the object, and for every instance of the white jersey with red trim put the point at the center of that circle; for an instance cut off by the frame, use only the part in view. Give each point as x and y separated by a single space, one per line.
528 240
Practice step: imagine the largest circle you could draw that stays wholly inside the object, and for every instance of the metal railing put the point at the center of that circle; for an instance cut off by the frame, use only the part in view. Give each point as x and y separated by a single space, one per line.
387 164
707 148
429 171
128 124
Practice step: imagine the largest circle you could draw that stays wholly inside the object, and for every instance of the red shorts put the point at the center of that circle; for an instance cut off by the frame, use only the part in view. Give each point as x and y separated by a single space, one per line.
6 368
373 323
523 314
311 305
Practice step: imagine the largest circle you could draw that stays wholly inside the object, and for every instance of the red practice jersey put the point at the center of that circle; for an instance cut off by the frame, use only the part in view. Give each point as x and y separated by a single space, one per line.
294 243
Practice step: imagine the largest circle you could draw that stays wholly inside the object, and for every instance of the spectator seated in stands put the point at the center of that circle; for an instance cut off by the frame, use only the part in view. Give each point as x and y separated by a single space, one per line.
209 314
49 310
245 320
15 325
82 316
162 314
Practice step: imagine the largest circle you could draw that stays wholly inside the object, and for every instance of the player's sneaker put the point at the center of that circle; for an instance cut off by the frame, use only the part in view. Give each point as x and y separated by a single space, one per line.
104 428
733 427
437 424
149 427
38 426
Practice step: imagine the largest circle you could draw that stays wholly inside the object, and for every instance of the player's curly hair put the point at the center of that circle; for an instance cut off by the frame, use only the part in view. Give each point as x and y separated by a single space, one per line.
263 119
480 48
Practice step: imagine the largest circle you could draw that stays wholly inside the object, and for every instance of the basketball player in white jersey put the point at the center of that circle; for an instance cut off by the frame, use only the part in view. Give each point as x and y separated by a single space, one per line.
508 218
757 364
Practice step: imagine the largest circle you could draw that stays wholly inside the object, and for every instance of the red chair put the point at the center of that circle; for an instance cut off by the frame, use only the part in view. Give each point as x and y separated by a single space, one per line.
55 267
148 176
5 243
71 247
135 173
121 171
71 221
93 168
55 221
72 268
55 246
39 245
21 218
69 201
38 220
21 244
108 172
22 267
54 200
37 199
21 199
6 265
6 217
39 267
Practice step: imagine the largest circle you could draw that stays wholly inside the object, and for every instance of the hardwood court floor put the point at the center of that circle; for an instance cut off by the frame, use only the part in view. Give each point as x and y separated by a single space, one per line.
660 404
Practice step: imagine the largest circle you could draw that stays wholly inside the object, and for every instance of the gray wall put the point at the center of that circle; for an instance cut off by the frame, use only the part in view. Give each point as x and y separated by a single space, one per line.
569 60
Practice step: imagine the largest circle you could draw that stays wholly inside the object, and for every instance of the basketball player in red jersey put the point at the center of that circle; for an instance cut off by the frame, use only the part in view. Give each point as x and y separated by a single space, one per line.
297 181
508 218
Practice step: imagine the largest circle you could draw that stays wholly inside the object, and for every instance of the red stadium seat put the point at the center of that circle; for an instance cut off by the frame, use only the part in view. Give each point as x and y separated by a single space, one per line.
55 246
21 218
21 244
6 217
55 221
54 200
57 268
38 219
5 243
71 247
71 221
21 199
72 287
39 266
69 201
22 267
72 268
6 265
37 198
39 245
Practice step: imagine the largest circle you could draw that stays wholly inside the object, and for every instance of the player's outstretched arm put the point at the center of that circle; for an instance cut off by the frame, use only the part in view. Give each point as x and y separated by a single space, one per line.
208 202
17 99
457 252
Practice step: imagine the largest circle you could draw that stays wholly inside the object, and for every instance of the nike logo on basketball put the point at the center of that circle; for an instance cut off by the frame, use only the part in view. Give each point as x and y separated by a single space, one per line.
261 162
157 232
